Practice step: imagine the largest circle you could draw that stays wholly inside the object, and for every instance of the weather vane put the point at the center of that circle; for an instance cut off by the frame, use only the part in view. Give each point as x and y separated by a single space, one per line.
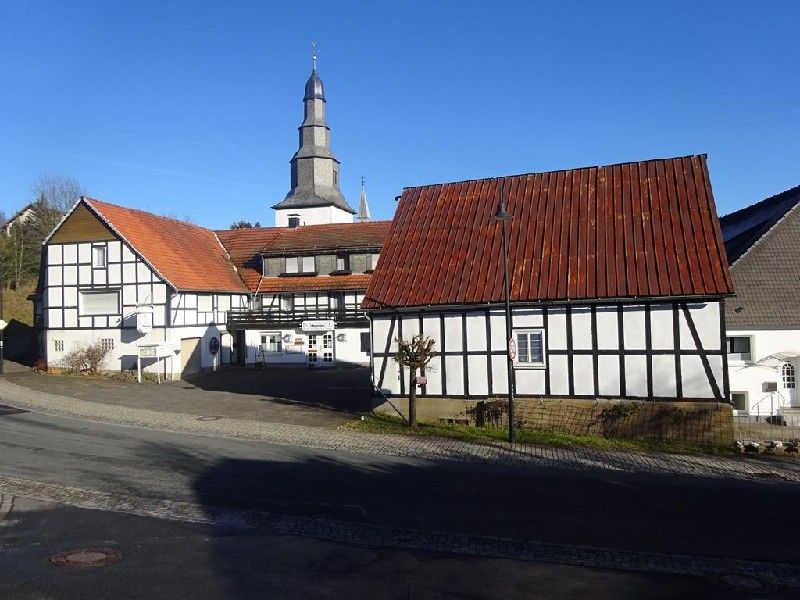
314 52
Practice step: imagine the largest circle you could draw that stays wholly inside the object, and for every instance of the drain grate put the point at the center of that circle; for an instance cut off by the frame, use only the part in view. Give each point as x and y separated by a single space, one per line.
86 558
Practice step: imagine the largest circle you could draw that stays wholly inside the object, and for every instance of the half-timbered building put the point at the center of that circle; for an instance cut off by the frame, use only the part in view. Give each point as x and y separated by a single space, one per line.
186 298
617 276
763 244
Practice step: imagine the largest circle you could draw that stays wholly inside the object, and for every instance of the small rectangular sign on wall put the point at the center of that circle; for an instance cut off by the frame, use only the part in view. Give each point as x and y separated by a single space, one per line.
326 325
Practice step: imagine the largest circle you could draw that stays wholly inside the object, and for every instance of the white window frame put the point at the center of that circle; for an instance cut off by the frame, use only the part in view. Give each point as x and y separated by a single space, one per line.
293 264
308 264
788 376
746 402
342 261
58 345
373 260
82 308
529 364
268 345
738 357
99 256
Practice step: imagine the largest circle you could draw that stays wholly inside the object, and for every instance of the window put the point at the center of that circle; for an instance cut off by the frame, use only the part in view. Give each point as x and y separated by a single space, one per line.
739 401
308 264
58 345
271 343
530 347
337 301
294 221
373 262
99 303
739 348
365 342
107 344
204 303
342 262
292 264
787 376
335 177
98 257
327 347
312 348
287 303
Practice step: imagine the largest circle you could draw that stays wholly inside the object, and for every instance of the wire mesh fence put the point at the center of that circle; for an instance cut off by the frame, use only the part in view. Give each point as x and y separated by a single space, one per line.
694 423
779 427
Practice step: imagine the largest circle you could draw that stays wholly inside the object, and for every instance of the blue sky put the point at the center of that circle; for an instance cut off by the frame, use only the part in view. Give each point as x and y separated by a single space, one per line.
192 108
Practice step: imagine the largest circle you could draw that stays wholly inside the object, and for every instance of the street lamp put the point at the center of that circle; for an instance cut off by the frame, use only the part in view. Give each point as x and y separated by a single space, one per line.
502 215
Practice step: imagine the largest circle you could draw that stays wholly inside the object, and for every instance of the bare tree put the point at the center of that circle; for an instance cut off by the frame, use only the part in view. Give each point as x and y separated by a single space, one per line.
57 191
414 354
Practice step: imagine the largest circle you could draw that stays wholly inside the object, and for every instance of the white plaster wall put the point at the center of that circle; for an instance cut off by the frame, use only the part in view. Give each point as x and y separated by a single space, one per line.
318 215
346 351
749 378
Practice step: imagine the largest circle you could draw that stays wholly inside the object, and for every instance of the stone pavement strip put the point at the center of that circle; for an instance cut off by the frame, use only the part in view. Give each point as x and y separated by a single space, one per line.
521 455
383 536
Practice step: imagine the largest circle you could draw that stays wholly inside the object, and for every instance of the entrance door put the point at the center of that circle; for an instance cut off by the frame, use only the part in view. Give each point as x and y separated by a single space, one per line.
320 349
240 347
190 356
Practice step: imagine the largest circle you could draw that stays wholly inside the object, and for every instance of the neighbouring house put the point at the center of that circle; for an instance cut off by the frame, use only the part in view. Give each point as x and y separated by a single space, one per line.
185 298
618 274
20 217
307 284
763 244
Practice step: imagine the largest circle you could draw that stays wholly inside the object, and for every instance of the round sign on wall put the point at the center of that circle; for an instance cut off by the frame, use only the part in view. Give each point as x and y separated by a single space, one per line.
213 345
512 349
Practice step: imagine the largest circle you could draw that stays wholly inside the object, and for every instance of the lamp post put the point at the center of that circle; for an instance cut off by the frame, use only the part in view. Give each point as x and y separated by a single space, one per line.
502 215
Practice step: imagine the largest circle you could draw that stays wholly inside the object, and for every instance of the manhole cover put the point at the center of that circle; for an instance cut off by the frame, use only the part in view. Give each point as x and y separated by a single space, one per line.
85 558
209 418
746 583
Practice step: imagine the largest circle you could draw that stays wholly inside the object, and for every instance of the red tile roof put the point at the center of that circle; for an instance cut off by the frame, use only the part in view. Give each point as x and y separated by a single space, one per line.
322 283
333 236
188 257
642 229
246 246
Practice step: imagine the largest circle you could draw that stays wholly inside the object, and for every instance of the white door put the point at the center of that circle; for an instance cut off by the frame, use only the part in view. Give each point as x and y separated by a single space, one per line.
320 349
789 384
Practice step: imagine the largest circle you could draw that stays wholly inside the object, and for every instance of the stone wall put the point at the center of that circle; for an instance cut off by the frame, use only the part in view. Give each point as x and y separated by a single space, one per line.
695 422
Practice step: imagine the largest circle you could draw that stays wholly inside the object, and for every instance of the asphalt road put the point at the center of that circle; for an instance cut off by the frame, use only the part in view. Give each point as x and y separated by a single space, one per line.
633 512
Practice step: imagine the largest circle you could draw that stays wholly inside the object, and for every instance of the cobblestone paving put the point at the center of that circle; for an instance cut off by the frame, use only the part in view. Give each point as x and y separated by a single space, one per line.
520 455
375 535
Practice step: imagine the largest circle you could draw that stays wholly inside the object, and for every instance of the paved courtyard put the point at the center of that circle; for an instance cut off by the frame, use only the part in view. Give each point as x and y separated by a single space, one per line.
313 398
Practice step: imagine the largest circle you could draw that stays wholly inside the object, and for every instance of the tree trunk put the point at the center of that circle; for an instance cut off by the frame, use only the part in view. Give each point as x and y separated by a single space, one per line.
412 398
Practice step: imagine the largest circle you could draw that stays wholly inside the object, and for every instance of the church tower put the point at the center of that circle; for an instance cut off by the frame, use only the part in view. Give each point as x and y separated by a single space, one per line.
315 197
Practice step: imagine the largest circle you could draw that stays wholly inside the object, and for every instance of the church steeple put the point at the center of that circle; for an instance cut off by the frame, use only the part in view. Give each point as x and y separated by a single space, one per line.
314 168
363 207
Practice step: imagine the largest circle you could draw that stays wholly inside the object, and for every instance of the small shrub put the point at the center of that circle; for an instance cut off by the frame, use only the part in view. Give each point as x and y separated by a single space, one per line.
86 359
40 365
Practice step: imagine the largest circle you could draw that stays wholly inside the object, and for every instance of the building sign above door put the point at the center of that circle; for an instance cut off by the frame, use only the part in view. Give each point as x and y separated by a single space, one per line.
317 325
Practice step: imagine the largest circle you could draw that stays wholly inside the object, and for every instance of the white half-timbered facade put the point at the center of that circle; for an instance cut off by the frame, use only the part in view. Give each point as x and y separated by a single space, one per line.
617 276
100 283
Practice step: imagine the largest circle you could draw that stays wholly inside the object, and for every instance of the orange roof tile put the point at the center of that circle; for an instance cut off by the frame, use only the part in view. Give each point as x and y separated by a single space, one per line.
246 246
322 283
187 256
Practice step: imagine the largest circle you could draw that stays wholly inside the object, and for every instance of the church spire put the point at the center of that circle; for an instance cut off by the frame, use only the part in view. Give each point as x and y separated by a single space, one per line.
314 168
363 207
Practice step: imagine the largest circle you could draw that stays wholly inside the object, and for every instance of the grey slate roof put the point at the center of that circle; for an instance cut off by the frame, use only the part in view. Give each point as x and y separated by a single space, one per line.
763 244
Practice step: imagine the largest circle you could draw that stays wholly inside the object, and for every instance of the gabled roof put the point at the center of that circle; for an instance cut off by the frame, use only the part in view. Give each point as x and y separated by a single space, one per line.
743 228
631 230
188 257
244 247
765 241
247 246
